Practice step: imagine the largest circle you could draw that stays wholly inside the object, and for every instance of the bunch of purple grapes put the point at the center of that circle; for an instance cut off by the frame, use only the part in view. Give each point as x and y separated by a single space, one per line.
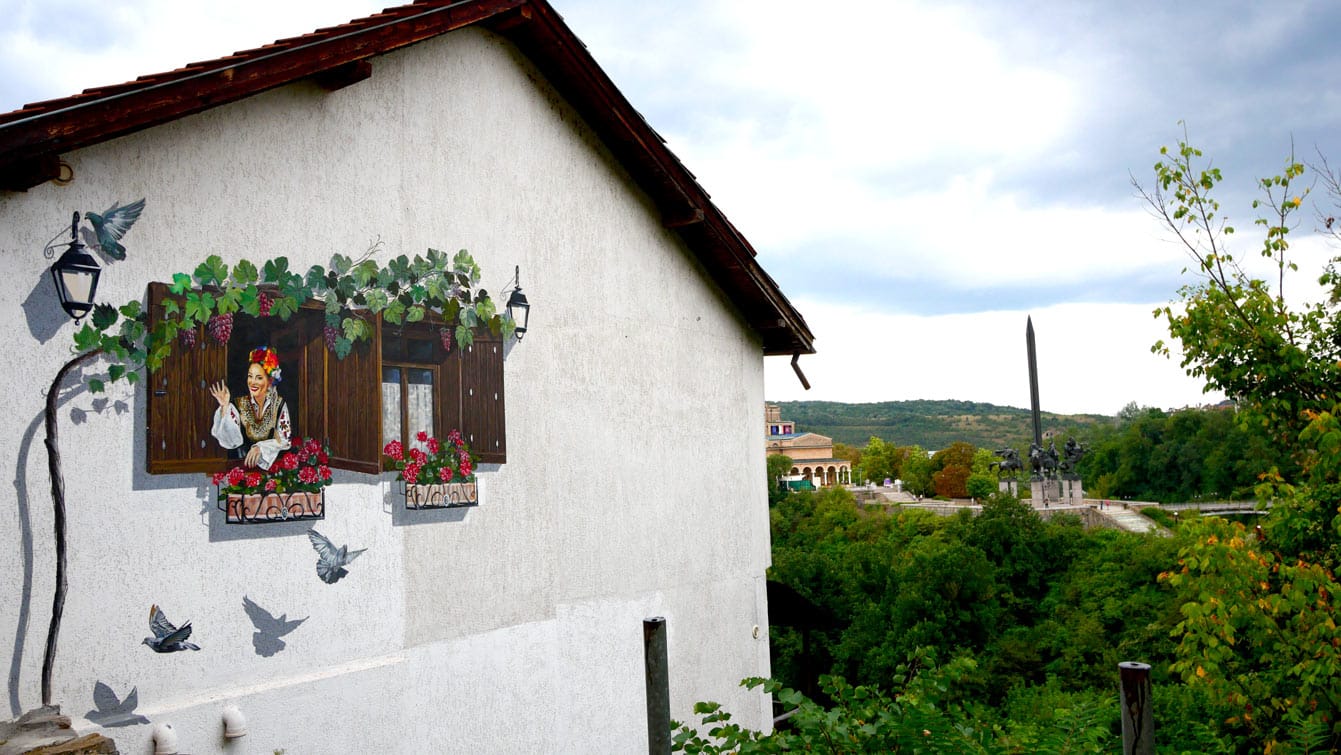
329 334
445 334
188 337
220 327
264 300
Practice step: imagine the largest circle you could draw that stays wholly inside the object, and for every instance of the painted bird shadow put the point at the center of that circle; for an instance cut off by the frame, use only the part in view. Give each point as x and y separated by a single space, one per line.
269 629
112 711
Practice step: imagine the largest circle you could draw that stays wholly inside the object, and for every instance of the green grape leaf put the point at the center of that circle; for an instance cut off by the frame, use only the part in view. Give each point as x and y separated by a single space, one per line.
244 273
104 316
376 300
87 338
212 272
283 307
276 269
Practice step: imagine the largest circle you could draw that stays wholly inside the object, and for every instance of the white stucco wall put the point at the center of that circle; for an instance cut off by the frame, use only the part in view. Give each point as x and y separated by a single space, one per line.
634 485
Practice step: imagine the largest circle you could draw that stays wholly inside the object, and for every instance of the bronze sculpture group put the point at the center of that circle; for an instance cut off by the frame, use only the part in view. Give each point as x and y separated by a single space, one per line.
1045 462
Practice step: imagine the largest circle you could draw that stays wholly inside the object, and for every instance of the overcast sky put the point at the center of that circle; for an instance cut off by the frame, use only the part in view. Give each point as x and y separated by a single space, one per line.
919 177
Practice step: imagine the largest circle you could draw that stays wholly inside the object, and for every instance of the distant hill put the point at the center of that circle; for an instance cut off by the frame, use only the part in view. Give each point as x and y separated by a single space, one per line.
933 425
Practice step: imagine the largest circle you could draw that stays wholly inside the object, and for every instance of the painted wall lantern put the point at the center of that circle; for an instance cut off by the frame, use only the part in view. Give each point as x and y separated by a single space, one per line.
76 276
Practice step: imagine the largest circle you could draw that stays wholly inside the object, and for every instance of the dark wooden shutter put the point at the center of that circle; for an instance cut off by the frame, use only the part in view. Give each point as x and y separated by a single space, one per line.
180 409
343 402
481 391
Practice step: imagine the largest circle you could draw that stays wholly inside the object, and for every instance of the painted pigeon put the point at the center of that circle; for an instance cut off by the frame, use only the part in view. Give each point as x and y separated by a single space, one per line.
110 226
266 638
112 711
167 637
331 561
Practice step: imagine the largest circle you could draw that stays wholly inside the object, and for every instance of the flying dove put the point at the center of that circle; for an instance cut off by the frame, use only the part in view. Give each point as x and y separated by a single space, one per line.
266 638
112 711
167 637
331 561
110 226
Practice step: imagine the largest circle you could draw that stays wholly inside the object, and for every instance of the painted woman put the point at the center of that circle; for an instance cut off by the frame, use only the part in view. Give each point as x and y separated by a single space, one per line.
258 423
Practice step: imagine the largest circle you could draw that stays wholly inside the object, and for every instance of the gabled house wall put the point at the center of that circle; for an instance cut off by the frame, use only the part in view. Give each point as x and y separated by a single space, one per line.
511 627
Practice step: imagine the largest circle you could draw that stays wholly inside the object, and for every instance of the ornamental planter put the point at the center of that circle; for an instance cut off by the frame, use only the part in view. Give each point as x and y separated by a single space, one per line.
256 508
441 496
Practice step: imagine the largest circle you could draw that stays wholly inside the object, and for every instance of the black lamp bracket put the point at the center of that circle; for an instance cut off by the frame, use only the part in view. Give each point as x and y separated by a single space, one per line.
49 251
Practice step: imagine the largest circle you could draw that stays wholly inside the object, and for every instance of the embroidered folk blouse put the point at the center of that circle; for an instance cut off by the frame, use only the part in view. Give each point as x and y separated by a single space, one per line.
266 427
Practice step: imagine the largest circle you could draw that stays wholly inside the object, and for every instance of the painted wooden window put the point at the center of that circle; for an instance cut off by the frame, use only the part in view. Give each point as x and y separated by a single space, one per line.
345 402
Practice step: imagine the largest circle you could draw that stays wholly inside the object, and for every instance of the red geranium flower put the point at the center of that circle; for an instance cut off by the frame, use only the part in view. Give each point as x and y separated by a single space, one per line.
411 473
421 436
394 450
418 456
290 462
220 478
271 484
236 475
307 475
433 445
445 474
322 458
325 473
253 479
313 446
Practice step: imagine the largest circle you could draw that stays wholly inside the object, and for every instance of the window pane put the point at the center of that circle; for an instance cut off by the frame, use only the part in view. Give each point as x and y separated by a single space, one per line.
391 404
419 350
419 400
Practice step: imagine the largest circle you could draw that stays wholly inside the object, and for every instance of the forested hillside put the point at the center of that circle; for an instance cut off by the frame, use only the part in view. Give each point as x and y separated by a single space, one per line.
930 424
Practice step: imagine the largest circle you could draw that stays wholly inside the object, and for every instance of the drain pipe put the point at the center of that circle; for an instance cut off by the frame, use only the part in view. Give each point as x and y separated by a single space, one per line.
657 675
1138 717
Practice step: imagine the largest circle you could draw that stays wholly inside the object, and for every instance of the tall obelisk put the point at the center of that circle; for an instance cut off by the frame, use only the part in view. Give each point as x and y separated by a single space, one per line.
1033 381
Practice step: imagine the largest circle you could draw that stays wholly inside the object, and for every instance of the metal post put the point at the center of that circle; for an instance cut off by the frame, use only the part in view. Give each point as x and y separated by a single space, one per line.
657 674
1138 717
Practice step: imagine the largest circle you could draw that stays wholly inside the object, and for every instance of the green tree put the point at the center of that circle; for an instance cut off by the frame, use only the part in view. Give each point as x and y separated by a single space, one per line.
778 465
916 471
1259 633
1239 332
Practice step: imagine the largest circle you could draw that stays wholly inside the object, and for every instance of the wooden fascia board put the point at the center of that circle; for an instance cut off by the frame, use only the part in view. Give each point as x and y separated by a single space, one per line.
87 122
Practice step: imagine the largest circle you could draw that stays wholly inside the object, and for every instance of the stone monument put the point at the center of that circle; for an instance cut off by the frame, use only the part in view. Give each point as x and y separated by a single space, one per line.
1054 478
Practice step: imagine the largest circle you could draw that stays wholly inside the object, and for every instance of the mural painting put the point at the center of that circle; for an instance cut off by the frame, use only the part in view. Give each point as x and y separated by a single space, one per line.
331 561
168 637
266 639
110 710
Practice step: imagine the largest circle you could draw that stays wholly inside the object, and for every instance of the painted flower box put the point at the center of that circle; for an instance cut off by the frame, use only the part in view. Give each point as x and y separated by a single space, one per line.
441 495
292 488
255 508
435 474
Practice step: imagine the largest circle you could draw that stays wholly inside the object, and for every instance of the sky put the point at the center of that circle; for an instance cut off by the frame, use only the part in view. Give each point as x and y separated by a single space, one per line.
918 177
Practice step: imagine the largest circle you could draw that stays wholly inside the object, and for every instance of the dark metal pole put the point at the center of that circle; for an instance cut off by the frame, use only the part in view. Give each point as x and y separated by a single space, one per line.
1033 381
658 686
1138 717
58 503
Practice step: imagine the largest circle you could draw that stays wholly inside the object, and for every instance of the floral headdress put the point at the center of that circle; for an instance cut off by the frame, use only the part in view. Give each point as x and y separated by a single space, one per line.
269 361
